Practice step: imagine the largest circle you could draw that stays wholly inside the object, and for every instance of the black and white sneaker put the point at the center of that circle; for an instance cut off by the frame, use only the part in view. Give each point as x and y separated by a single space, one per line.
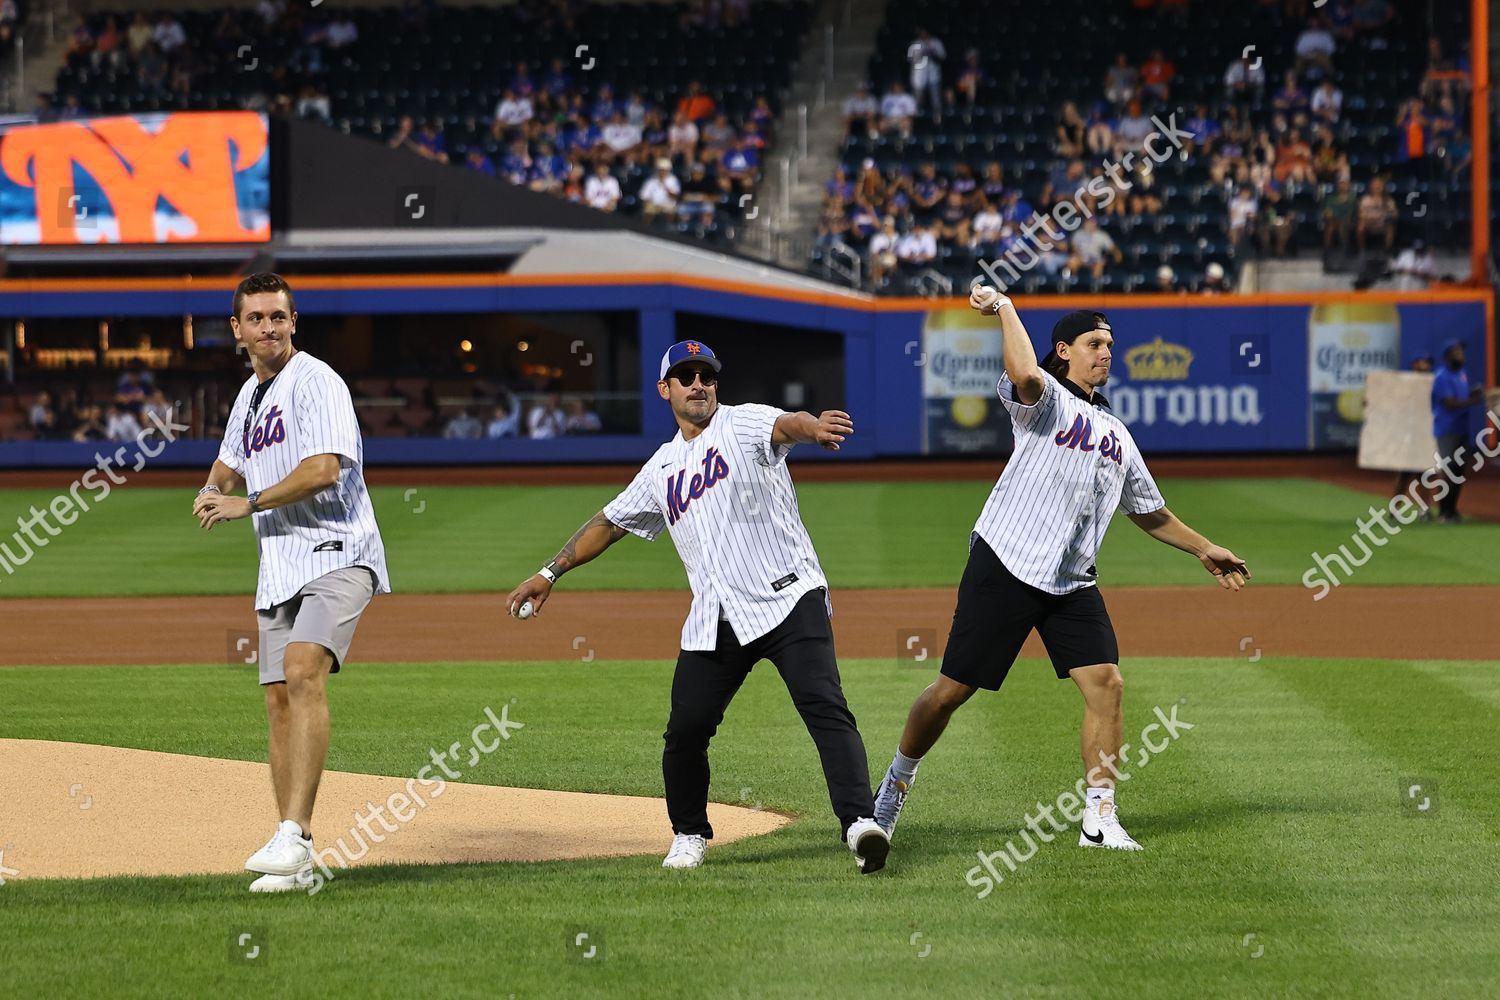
1101 828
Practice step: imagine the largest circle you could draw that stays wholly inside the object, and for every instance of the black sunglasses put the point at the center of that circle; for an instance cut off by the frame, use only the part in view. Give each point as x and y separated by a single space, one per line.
705 375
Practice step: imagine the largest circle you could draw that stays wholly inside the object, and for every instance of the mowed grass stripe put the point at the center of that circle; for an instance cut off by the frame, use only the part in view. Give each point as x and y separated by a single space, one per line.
143 541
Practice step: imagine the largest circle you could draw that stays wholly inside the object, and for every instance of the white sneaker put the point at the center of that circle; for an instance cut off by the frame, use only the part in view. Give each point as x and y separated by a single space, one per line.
870 844
286 853
303 880
888 802
1101 828
687 851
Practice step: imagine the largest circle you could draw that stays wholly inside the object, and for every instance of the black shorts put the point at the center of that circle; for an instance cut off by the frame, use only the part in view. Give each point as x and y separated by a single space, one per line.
996 612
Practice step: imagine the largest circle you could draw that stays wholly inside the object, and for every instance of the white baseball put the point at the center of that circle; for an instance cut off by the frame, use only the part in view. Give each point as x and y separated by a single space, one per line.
526 610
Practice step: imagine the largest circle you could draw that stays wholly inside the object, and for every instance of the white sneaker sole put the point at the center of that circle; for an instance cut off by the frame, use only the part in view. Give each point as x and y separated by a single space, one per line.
1085 842
283 883
871 850
682 864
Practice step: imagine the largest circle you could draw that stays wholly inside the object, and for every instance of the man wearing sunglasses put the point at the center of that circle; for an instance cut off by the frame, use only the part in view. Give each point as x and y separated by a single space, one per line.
722 489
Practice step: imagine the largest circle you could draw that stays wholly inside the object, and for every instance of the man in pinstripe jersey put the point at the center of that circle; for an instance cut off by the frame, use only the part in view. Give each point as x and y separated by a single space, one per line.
293 442
722 489
1031 559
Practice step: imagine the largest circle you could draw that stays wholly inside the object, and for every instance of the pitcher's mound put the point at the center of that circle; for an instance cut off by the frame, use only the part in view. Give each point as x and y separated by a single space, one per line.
74 810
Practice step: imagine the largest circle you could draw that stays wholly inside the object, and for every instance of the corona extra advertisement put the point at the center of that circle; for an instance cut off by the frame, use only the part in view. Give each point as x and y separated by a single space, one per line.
961 362
158 178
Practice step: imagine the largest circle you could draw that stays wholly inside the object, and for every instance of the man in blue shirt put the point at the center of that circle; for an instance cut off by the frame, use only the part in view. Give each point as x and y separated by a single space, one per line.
1453 401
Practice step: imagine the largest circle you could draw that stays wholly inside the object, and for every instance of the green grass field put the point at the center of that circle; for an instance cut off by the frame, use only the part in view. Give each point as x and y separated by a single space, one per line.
440 539
1280 815
1282 854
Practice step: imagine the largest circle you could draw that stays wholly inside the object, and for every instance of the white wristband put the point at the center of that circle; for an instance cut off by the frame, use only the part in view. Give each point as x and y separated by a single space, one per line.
207 489
547 574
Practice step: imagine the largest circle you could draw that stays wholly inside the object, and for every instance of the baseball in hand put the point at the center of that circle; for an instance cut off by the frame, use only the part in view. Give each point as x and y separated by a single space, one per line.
525 611
985 299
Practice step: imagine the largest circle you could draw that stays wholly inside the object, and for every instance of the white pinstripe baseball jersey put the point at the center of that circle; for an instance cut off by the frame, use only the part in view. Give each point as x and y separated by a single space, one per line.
1074 463
727 499
306 411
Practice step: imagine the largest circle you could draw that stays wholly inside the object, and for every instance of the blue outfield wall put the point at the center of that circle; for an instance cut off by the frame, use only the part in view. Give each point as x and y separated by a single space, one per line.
1265 373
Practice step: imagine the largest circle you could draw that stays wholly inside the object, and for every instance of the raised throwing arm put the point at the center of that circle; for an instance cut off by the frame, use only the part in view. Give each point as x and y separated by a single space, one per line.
1020 357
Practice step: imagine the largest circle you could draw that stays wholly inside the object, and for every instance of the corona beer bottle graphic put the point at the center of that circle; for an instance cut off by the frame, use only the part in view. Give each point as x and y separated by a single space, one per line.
1345 342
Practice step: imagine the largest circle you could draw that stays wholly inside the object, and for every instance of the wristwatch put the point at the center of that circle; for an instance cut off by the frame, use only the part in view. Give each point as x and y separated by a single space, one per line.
254 499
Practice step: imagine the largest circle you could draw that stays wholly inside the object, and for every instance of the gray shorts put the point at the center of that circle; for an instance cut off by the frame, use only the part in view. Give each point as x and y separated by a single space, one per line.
324 612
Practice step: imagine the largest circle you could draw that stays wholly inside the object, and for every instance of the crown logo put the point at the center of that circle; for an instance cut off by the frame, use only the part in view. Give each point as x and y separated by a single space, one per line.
1158 361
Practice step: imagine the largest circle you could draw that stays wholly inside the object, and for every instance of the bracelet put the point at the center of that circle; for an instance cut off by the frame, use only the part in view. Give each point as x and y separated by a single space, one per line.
208 489
547 574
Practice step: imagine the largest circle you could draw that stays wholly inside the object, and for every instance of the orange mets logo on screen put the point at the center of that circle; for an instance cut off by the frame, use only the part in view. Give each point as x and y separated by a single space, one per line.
188 161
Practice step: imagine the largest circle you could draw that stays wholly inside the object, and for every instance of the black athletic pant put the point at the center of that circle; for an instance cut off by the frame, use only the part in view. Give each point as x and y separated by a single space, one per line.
1452 446
801 647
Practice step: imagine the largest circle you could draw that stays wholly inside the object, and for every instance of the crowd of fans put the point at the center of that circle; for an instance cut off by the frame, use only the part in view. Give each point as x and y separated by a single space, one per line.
75 415
1277 163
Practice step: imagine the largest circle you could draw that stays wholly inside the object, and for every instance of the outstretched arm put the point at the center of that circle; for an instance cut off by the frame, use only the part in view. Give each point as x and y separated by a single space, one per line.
588 542
827 429
1164 526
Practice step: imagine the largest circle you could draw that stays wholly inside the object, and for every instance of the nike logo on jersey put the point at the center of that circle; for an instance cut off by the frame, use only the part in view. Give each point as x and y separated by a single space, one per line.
271 430
715 469
1081 437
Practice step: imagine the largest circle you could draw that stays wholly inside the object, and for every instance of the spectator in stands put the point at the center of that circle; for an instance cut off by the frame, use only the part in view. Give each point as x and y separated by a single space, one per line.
463 426
1213 280
109 46
1414 268
572 189
513 109
841 186
1315 48
151 69
505 421
1072 132
660 193
970 78
403 137
1120 80
621 136
926 55
90 425
1458 153
953 221
883 251
168 35
700 195
1157 74
515 165
42 417
546 419
1243 213
740 165
129 392
1134 128
897 109
1092 249
682 138
1370 17
917 248
861 111
1166 281
1377 217
602 190
1244 80
1294 160
122 425
1276 219
636 109
1339 210
1412 130
157 406
80 40
992 183
138 35
314 104
1328 101
581 419
521 81
986 228
342 32
927 191
1204 128
1291 97
478 162
549 171
717 135
695 104
1100 136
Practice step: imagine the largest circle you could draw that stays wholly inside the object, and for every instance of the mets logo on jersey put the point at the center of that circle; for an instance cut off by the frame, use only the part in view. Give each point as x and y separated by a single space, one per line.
271 430
1081 436
714 469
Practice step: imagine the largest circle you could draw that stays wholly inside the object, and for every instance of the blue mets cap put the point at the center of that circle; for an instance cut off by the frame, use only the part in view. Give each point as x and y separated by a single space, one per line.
684 351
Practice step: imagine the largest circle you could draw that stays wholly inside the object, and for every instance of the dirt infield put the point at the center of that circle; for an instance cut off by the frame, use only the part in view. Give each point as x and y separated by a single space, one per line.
1377 622
88 811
